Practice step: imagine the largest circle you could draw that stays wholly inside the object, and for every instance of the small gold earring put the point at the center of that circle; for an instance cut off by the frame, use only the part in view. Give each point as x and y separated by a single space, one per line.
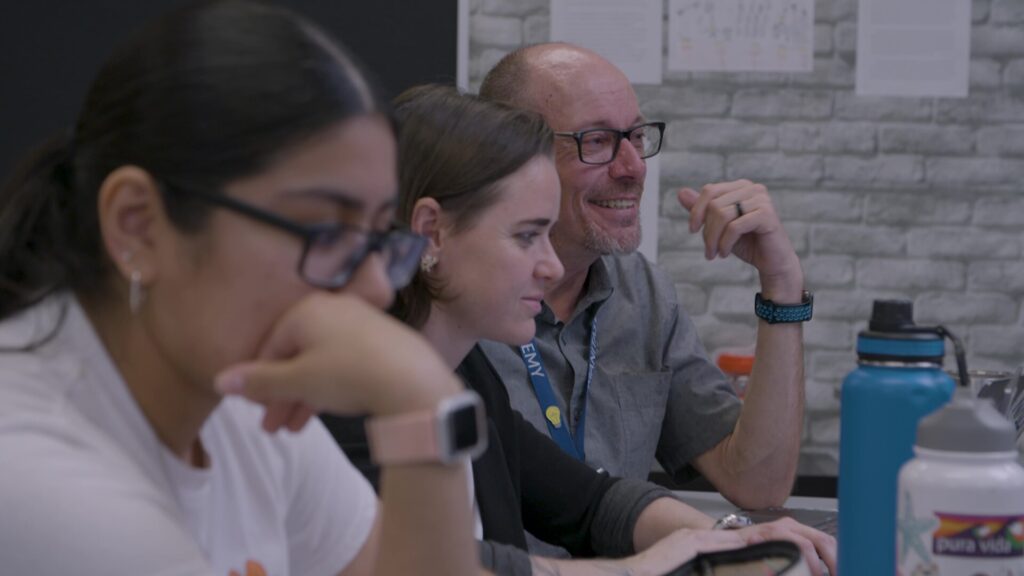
427 263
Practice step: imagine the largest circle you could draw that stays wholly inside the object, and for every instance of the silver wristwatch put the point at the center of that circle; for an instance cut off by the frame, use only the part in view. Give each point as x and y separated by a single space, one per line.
733 521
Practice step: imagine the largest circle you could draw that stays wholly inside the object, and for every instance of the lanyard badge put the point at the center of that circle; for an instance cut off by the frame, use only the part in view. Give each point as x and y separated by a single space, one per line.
570 442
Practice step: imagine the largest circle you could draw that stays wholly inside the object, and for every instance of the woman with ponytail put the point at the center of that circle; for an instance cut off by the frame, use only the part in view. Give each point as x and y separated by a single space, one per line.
218 223
32 255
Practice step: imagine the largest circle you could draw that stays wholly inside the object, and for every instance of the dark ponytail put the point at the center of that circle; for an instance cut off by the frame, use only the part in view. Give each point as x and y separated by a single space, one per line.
37 254
210 93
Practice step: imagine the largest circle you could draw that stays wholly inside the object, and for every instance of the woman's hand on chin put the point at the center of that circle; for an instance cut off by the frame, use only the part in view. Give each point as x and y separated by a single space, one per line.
336 353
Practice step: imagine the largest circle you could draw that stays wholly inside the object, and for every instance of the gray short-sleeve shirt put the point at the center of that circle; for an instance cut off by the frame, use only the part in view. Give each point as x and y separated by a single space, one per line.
655 393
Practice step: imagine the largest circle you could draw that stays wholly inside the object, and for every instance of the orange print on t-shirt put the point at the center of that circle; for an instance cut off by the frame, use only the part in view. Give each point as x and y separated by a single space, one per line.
252 568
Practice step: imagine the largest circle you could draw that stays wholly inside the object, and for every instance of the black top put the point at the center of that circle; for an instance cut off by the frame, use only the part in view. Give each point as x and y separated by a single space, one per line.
523 480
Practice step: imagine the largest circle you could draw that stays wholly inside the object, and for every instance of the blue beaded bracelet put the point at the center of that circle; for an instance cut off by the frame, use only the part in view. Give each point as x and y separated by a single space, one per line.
773 313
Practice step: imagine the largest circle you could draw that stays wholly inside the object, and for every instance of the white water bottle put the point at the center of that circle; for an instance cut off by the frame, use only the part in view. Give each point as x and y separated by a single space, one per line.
961 499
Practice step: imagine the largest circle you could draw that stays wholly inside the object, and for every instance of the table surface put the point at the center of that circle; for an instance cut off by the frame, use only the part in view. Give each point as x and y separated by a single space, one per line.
715 505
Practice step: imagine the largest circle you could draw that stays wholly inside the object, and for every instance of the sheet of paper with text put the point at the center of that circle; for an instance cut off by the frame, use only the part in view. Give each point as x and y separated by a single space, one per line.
741 35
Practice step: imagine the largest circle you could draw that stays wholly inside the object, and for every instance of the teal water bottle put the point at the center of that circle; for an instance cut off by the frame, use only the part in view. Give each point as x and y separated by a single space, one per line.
898 380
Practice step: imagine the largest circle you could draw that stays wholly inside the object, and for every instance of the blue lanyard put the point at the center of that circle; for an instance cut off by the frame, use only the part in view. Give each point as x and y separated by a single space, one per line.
557 428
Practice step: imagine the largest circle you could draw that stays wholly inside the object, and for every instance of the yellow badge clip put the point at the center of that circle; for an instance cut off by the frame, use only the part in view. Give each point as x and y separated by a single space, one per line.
554 415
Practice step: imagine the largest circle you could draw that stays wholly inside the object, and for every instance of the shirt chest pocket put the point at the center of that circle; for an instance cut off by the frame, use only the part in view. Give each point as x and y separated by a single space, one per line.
642 397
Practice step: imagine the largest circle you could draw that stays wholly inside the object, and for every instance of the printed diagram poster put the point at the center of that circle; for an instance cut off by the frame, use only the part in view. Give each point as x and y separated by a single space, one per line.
741 35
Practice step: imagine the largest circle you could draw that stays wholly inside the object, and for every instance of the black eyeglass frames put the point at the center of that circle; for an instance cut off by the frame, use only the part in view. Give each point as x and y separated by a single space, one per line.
601 145
331 253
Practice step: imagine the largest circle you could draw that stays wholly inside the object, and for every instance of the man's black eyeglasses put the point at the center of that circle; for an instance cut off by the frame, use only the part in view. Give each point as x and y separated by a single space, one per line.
601 145
331 253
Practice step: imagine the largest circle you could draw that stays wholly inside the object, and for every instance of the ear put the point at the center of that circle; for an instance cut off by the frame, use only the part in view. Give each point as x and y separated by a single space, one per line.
131 214
428 220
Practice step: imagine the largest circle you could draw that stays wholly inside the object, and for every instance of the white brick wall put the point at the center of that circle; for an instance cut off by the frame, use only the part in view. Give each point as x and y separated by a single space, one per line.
920 198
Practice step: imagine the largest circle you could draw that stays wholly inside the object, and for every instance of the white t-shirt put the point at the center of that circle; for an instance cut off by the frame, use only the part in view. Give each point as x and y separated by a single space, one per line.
86 488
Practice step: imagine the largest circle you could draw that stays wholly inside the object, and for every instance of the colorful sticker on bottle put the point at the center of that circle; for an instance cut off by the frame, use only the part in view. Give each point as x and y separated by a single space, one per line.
911 530
979 536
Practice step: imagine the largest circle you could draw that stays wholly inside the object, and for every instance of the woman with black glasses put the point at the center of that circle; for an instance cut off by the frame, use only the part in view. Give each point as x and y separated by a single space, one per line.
222 207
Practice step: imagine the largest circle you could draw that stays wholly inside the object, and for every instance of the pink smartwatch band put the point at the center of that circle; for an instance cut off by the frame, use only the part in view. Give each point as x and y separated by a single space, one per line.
403 438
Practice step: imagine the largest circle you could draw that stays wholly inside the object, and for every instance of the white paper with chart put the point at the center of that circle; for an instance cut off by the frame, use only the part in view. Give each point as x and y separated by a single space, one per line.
741 35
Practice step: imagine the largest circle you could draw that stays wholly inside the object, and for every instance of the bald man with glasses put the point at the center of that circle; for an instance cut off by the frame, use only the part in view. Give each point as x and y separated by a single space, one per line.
616 374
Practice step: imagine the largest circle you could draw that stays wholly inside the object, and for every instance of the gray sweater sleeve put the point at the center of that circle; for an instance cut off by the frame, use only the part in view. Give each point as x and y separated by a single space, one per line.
616 516
612 531
505 560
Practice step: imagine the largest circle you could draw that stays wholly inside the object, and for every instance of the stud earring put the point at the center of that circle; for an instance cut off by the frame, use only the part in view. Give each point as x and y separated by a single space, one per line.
427 263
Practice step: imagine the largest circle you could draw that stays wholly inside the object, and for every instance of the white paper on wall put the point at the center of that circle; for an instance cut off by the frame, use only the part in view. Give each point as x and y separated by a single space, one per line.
741 35
913 47
629 34
649 210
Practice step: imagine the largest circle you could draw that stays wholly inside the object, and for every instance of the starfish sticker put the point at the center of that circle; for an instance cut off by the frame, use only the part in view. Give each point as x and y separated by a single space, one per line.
911 528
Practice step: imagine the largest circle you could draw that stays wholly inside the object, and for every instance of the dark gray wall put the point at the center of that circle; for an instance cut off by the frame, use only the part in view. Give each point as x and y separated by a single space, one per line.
50 49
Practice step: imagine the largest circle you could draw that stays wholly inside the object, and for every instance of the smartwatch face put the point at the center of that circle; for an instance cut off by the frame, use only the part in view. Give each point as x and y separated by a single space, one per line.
463 428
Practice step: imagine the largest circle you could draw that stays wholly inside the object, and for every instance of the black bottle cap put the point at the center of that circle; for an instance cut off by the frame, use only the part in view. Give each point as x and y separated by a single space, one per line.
892 316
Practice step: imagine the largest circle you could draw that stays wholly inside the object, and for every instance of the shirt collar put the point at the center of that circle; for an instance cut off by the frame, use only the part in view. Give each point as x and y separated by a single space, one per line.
596 290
